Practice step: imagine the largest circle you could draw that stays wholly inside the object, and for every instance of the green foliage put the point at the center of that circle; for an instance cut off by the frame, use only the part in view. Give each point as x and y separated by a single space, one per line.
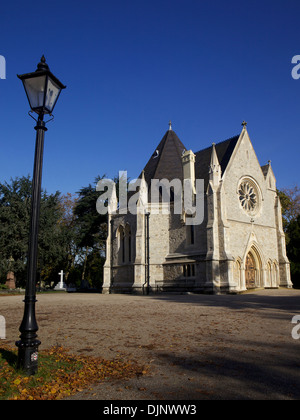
90 235
15 208
290 203
88 219
71 234
15 199
293 250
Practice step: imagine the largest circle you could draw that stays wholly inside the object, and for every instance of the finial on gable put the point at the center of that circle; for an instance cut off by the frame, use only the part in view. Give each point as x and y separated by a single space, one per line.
170 125
244 124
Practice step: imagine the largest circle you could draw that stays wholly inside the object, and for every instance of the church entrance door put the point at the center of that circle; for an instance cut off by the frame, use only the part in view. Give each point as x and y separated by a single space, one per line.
250 272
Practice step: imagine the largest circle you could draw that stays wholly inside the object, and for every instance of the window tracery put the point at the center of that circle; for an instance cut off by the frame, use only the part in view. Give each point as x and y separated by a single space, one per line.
248 196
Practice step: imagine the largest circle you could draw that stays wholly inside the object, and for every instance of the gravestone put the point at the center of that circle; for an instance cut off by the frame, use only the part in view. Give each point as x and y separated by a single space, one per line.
2 328
11 280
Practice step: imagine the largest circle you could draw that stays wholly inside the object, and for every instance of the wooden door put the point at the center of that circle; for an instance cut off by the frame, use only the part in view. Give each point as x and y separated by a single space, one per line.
250 272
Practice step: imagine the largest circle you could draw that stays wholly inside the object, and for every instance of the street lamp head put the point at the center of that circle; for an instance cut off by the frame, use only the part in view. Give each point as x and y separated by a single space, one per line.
42 89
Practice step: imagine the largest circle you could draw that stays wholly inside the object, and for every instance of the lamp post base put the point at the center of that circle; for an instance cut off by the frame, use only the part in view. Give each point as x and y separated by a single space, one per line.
28 356
28 343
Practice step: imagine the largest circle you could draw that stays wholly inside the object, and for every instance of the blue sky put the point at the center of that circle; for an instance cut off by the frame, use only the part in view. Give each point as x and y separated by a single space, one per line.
130 66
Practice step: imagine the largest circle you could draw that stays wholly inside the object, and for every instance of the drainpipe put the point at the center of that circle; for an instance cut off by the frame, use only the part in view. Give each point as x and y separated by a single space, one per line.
111 251
147 255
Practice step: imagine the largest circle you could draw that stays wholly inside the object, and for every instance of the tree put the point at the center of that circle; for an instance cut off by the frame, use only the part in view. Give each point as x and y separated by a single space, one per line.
67 223
14 225
72 234
91 230
15 208
293 250
290 203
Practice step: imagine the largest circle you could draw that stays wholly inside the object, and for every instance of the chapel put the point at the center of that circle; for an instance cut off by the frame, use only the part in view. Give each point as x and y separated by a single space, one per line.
239 244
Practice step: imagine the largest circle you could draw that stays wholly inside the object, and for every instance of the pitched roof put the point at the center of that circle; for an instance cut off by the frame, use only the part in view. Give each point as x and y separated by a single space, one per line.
224 151
166 160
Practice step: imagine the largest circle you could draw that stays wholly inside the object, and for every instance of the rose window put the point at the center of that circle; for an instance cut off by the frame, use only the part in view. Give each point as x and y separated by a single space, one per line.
248 196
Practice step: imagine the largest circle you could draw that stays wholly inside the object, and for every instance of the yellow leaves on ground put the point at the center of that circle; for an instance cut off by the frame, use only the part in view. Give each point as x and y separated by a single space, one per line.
61 374
17 381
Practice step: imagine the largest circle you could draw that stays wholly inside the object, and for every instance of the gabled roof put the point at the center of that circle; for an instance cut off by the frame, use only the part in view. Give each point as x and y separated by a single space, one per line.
224 151
166 159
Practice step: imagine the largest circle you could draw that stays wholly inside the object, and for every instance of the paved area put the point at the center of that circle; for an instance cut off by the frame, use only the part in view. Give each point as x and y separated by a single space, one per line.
197 346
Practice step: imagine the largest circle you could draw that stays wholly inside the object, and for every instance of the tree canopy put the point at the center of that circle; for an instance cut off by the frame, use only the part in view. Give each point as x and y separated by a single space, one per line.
290 202
71 234
15 207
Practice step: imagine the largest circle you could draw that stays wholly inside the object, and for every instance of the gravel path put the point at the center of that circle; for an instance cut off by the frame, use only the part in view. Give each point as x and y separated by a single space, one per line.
197 346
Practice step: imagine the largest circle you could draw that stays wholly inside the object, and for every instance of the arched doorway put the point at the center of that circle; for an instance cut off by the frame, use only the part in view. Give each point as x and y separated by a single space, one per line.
250 271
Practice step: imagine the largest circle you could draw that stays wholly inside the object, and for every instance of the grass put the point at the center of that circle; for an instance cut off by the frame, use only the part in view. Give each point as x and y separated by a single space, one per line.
60 374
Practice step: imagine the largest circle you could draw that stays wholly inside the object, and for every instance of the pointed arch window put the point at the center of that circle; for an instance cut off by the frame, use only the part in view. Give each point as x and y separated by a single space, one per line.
190 235
124 244
128 244
121 243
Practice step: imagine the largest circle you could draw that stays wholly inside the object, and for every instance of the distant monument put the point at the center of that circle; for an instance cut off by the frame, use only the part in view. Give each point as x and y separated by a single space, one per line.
61 285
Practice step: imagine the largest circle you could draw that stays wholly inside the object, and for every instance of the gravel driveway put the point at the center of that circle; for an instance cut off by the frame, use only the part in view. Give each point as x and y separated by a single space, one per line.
197 346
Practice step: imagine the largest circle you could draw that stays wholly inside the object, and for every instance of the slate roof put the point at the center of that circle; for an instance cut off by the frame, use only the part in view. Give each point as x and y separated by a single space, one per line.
166 159
224 151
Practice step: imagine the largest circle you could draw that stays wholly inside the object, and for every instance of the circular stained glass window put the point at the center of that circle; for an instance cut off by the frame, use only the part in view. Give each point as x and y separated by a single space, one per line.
248 196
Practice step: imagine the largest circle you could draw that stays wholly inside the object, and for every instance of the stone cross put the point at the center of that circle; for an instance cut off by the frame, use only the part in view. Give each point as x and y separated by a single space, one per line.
61 285
61 274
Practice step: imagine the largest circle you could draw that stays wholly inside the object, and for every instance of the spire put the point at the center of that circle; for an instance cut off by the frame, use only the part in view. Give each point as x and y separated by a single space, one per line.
214 168
165 162
143 200
113 202
214 161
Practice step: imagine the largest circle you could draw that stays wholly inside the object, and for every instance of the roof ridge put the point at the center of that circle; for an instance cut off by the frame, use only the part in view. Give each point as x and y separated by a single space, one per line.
221 142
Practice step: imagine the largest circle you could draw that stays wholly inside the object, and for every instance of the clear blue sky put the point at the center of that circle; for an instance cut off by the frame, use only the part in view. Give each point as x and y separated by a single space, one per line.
130 66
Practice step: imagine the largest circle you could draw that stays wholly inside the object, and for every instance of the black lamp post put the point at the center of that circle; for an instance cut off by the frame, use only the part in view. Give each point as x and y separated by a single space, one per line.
42 90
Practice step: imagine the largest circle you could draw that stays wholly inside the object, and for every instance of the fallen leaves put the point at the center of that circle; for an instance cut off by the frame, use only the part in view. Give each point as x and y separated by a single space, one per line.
60 374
